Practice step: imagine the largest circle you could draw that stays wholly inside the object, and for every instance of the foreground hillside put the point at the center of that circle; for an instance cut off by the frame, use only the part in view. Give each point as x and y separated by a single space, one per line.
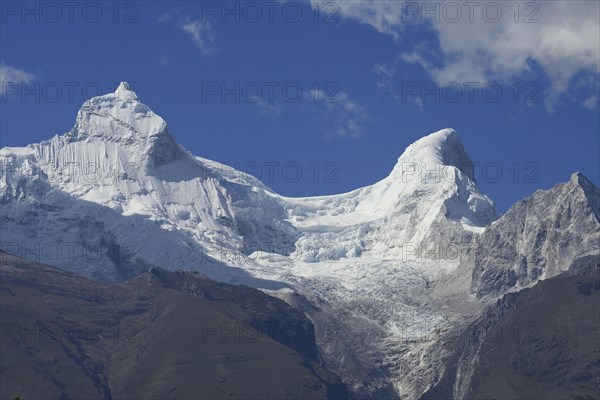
539 343
161 335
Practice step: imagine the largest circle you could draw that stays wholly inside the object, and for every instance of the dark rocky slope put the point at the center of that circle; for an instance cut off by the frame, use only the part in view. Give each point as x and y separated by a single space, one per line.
161 335
540 343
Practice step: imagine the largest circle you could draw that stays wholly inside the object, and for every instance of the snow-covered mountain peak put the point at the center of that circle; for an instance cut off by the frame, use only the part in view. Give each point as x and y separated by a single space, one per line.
120 155
429 196
117 116
430 154
124 91
118 127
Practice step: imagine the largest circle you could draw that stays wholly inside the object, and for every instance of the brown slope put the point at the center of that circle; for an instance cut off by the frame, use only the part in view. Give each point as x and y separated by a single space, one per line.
162 335
542 342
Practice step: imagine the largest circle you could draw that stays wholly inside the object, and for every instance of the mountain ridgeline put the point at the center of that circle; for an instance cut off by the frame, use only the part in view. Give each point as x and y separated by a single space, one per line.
120 204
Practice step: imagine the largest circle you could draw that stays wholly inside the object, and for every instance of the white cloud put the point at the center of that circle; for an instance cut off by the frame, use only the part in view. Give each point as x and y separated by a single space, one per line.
385 16
590 103
384 70
13 76
169 16
384 74
348 116
269 109
587 88
564 42
200 31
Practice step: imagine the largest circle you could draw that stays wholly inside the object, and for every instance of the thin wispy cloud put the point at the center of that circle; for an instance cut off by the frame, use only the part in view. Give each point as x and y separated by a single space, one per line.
588 88
385 73
13 76
385 16
349 117
169 16
200 31
269 109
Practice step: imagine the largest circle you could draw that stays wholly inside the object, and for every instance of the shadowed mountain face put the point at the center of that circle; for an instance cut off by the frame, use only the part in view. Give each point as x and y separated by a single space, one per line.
540 343
161 335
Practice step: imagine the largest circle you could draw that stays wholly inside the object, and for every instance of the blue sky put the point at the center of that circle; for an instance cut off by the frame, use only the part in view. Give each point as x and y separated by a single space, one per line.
337 92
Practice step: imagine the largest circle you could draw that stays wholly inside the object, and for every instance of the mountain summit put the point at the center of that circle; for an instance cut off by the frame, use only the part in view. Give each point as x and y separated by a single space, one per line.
442 148
124 91
117 116
539 237
125 128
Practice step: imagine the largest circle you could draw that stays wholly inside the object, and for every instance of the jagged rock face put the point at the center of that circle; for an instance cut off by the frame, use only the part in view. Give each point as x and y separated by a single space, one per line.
538 238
